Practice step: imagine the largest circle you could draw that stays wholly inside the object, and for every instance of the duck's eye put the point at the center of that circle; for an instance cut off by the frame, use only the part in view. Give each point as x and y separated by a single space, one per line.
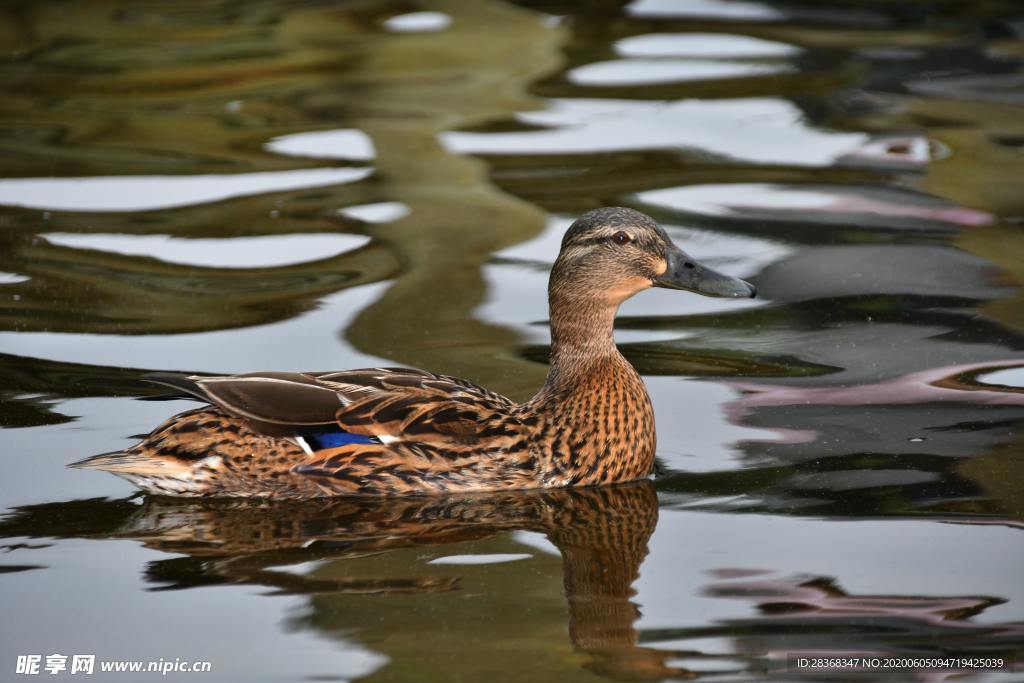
621 237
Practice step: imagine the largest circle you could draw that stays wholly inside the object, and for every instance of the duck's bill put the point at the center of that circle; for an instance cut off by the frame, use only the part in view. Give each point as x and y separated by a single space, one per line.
685 273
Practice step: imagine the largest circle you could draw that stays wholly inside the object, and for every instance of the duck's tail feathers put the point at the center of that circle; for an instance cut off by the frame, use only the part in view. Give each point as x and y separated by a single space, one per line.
185 385
124 462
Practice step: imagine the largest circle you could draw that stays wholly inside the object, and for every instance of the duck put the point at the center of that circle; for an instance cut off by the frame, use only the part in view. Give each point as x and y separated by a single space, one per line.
403 431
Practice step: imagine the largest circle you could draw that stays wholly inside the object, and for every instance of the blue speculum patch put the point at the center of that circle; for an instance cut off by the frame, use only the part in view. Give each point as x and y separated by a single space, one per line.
319 439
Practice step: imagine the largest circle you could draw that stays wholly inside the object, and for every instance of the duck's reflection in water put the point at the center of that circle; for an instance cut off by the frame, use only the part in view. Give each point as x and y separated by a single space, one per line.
363 549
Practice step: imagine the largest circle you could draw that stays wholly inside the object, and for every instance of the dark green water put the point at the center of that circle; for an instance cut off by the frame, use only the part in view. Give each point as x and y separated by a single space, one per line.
236 186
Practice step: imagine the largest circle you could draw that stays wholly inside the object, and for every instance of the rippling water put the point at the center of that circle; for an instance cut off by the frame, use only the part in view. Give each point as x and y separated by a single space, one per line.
231 186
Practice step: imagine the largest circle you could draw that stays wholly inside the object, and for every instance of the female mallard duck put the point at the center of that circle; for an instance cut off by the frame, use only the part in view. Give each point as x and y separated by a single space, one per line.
385 431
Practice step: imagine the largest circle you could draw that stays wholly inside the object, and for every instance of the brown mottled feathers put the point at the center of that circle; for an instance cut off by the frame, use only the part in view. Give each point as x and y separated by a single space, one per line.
439 433
421 407
436 433
204 452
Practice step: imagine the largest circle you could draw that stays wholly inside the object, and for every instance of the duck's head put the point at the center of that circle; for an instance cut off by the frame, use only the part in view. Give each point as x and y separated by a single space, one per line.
610 254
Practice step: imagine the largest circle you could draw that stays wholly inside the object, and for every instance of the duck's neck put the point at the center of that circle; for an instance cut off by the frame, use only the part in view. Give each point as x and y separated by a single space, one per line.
581 337
593 421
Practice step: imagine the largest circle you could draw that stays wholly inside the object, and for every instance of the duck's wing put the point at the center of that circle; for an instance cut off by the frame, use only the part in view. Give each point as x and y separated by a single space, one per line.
389 403
275 398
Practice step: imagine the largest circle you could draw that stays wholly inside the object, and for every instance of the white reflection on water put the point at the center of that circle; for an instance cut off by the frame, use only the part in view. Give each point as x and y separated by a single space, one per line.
418 22
707 45
12 278
345 143
630 72
381 212
490 558
1013 377
719 9
147 193
537 541
236 252
760 130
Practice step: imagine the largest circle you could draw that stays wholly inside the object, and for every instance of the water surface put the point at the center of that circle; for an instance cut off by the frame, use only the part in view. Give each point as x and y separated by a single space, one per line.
226 187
